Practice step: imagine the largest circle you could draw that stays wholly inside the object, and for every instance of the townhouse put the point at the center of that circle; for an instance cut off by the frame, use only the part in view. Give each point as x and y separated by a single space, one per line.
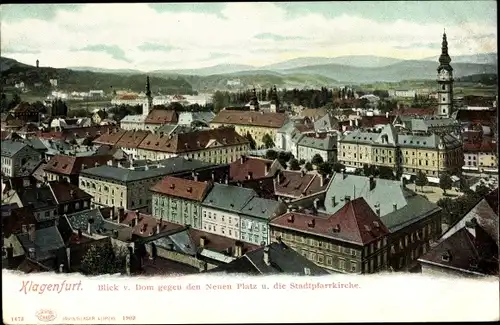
247 168
291 185
255 123
413 221
128 187
18 157
480 156
218 146
323 145
351 240
68 168
288 136
179 200
407 153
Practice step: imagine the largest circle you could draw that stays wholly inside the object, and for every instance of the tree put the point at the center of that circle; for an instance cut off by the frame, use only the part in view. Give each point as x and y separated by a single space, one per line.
16 99
385 172
445 182
482 190
308 166
369 170
251 140
271 154
175 106
317 159
421 180
268 141
294 164
325 168
79 112
302 161
338 167
284 157
103 260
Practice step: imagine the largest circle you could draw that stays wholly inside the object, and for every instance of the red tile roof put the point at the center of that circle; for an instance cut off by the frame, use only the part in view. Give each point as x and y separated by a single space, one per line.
484 146
110 138
192 141
412 111
90 131
371 121
298 183
356 222
128 97
217 243
72 165
264 186
24 107
66 192
147 224
161 116
131 139
183 188
477 116
262 119
240 169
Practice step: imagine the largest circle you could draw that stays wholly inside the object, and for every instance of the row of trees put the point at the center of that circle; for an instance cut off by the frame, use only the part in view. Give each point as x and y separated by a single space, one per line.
286 159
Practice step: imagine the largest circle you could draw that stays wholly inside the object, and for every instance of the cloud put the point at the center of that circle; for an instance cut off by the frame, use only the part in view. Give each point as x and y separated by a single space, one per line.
274 37
113 50
139 36
146 47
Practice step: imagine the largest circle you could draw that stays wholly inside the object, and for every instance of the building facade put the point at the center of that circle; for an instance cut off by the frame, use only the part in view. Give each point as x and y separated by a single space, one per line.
325 146
17 156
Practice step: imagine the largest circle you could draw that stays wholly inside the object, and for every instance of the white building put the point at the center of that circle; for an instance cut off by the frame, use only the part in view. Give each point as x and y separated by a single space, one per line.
60 94
133 122
53 82
402 93
96 93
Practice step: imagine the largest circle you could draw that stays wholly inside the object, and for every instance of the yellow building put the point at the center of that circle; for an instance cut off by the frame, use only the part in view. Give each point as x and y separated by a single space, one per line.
256 123
408 153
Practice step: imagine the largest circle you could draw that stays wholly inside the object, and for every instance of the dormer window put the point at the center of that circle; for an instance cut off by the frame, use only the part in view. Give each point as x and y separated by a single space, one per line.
446 257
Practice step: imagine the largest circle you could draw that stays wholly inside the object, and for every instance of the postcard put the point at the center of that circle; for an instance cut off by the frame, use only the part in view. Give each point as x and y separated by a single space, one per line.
250 162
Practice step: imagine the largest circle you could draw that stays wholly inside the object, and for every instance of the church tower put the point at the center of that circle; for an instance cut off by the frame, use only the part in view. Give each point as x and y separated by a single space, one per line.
445 82
275 103
149 103
254 102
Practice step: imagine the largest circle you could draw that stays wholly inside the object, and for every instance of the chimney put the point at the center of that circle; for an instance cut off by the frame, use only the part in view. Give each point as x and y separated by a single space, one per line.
72 193
395 206
334 202
213 175
372 183
89 228
280 241
250 175
242 159
226 179
24 229
32 232
238 249
135 221
266 256
336 228
112 213
356 122
32 253
321 180
68 256
311 223
158 227
202 241
386 114
266 168
291 218
61 268
278 177
110 162
347 198
343 174
96 164
84 166
302 173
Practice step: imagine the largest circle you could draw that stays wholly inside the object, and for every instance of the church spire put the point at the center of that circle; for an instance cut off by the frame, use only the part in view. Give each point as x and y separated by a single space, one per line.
148 87
444 59
254 102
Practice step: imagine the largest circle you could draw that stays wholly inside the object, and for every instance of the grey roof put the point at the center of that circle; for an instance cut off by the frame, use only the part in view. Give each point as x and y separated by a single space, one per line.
326 123
426 123
180 242
428 141
159 168
228 197
79 221
170 129
260 208
29 167
36 143
326 143
417 207
47 240
10 147
387 136
133 118
186 118
385 194
41 197
282 259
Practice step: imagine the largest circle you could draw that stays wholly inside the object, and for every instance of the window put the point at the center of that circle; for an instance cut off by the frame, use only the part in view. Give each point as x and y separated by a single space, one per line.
342 264
353 252
85 204
77 205
321 258
328 261
353 266
47 214
65 208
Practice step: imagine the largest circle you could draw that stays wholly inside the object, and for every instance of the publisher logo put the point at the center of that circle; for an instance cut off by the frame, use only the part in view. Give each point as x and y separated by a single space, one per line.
46 315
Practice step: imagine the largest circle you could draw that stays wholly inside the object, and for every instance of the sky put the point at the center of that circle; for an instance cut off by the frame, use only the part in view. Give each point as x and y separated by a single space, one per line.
193 35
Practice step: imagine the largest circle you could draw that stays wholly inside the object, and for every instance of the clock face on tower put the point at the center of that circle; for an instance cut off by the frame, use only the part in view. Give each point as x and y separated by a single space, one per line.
444 75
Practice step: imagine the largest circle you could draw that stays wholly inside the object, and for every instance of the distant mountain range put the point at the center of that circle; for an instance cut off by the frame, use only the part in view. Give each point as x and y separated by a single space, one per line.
303 72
